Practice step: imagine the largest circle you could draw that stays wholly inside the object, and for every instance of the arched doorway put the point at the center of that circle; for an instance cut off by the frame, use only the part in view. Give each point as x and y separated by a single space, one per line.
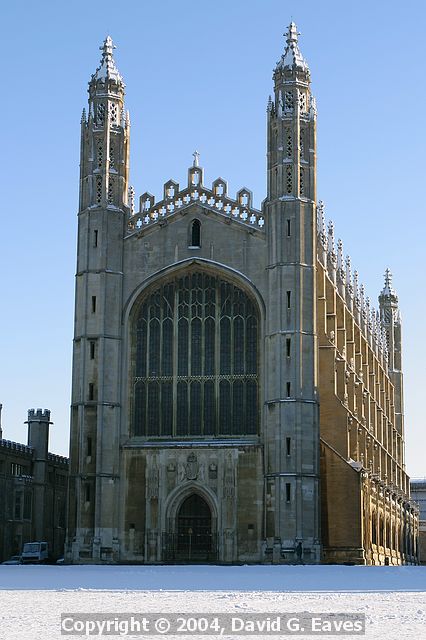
194 530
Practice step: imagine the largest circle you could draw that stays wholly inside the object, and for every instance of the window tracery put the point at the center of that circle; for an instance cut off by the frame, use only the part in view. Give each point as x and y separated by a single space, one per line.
98 189
288 101
113 112
289 179
100 114
196 360
288 143
112 155
99 153
111 190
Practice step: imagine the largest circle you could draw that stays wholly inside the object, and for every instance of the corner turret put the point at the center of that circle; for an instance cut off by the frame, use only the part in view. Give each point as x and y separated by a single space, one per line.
292 127
105 133
290 222
102 218
391 321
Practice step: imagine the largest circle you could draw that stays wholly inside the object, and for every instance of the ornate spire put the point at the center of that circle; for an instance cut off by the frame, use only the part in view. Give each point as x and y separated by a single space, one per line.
330 242
363 307
377 329
292 57
348 263
388 290
340 258
368 314
341 273
356 288
107 70
388 300
331 252
131 200
321 224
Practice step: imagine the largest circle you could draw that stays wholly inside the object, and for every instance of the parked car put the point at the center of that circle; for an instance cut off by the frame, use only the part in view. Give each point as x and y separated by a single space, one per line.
13 560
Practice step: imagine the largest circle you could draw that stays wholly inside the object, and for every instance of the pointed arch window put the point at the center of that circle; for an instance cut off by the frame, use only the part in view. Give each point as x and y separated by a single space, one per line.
195 369
111 190
112 156
195 239
288 141
98 189
289 179
99 152
302 101
302 144
288 101
113 112
100 114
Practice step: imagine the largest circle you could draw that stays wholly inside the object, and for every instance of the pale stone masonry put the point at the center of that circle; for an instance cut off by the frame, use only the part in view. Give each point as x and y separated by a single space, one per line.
418 493
234 399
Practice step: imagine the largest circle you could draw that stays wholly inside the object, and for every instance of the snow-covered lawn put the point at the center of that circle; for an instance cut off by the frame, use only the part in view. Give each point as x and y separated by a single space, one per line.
33 598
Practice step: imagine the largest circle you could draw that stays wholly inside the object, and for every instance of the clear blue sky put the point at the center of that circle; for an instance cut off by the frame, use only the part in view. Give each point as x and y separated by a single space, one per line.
198 75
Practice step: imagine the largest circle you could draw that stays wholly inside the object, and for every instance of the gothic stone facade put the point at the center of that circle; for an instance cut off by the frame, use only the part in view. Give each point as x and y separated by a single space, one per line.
418 492
33 490
234 397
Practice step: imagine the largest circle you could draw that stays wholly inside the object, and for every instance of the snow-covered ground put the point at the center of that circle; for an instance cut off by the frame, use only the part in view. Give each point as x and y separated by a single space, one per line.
33 598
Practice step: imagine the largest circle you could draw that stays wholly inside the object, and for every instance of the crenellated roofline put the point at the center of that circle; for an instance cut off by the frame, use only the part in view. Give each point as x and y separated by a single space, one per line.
176 200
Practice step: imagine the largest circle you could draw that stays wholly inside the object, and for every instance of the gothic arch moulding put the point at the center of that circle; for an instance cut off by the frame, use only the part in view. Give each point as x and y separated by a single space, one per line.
194 357
178 496
202 264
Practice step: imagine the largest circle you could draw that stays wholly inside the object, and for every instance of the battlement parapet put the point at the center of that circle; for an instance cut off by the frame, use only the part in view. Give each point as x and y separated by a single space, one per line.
39 415
214 199
16 446
57 459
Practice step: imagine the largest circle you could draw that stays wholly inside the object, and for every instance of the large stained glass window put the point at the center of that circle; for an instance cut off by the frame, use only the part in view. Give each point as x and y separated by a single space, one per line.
196 360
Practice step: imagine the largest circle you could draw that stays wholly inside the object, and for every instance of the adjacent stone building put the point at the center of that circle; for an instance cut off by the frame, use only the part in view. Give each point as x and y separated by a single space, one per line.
33 490
235 396
418 492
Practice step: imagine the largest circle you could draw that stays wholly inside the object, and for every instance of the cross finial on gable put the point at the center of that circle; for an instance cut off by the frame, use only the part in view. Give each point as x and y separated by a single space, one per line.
196 162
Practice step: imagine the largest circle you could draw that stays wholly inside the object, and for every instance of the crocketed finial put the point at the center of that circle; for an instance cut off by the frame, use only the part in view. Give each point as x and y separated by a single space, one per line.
292 57
107 68
388 290
107 49
292 33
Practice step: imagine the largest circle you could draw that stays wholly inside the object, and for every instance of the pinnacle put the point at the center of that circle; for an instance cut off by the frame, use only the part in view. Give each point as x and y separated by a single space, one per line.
107 47
388 289
292 33
107 67
292 57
